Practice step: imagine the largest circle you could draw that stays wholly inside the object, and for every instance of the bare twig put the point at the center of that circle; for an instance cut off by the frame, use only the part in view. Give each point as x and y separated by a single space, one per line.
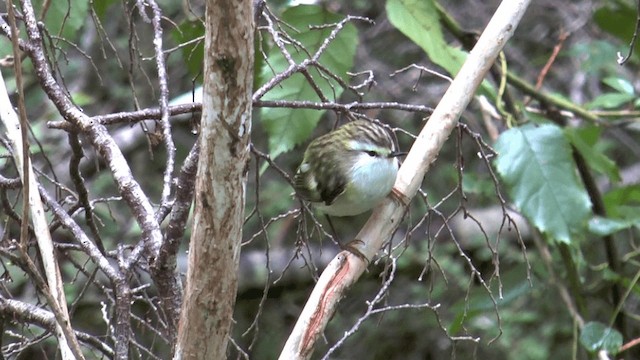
129 117
83 194
632 43
556 50
105 145
422 69
27 313
165 125
165 268
372 310
16 133
87 245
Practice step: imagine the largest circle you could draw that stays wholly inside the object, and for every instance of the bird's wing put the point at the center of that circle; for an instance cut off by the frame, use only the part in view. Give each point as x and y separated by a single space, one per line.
332 180
326 185
305 184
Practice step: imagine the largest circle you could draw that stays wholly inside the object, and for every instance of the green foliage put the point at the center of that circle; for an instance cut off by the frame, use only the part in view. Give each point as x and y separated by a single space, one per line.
605 226
619 84
101 7
479 304
596 336
419 21
595 56
623 211
624 94
618 18
585 139
623 201
82 98
289 127
535 162
192 53
64 18
475 183
610 101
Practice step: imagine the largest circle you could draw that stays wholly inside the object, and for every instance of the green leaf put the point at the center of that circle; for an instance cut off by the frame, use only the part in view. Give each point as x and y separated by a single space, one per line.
536 164
619 84
623 202
64 18
420 22
596 336
478 303
289 127
478 184
605 226
192 53
619 19
82 98
582 140
101 7
595 57
610 101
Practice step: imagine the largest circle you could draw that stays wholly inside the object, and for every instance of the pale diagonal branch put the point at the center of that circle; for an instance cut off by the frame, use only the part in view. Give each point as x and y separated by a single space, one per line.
346 268
52 288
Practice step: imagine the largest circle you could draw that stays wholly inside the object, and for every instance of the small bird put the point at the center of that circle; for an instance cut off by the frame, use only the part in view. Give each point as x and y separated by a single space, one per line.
349 170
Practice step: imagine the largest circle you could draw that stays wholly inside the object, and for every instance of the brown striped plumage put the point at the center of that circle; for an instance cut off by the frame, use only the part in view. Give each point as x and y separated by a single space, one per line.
331 159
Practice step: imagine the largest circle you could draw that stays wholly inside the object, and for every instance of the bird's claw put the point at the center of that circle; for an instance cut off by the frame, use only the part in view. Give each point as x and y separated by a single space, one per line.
352 248
404 200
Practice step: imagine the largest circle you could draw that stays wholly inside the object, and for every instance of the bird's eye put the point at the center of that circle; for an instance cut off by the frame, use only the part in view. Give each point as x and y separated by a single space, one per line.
371 153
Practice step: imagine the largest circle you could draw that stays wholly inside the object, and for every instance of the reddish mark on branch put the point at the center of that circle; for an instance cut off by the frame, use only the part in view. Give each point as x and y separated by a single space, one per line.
556 50
327 299
629 345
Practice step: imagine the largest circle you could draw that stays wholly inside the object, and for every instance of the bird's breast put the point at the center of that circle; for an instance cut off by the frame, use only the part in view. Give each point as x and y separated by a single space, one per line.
373 177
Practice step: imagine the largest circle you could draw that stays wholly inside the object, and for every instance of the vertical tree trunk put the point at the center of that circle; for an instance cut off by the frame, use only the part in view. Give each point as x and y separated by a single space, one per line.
224 154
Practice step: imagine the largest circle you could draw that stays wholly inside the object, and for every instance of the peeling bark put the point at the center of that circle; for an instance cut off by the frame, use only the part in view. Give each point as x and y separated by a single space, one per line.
221 178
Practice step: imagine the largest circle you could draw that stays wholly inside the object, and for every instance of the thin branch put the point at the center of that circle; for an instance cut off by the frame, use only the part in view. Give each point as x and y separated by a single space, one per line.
128 187
22 116
303 67
343 107
421 68
130 117
629 345
165 125
59 309
530 90
83 193
16 133
632 44
122 327
372 310
164 270
6 31
30 314
7 183
556 50
79 235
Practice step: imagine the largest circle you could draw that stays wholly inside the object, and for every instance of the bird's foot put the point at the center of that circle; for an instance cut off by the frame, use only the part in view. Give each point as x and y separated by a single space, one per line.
404 200
352 247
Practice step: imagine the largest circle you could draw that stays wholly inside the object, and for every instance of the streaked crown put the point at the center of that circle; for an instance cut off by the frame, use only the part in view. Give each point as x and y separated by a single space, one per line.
359 135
